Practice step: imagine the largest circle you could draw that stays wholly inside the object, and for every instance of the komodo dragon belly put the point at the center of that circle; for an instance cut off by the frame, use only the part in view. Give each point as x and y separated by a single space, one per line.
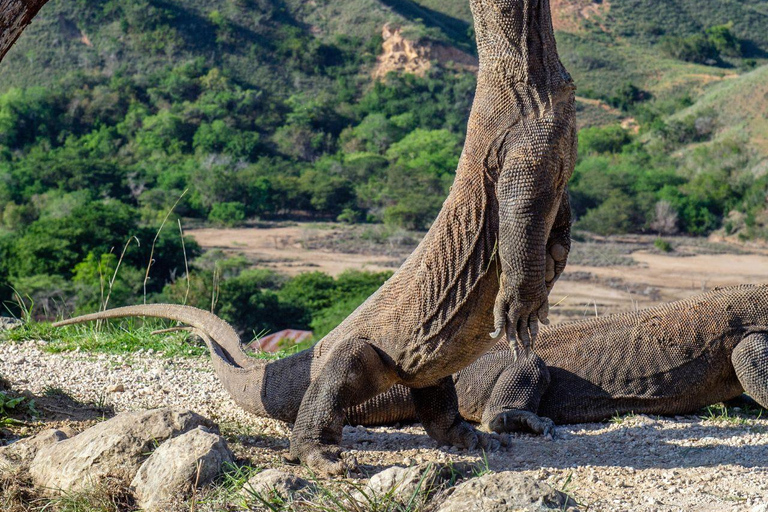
464 338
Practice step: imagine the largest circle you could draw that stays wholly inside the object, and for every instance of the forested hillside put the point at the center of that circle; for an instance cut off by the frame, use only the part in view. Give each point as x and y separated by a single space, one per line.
111 110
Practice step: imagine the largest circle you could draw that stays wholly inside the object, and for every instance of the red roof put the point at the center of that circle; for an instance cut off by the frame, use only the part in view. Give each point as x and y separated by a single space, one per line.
279 340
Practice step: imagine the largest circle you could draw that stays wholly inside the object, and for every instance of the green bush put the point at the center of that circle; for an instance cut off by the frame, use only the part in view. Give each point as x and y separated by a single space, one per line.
227 214
603 139
695 48
662 245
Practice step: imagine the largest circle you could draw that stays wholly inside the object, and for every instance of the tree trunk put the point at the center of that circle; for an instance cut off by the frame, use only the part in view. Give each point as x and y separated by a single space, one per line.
15 15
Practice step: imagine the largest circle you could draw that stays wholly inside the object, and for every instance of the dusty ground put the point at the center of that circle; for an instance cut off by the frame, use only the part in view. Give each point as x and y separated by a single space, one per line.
636 463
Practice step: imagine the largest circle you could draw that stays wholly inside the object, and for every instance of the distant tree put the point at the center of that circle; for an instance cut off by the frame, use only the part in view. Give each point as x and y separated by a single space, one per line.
724 41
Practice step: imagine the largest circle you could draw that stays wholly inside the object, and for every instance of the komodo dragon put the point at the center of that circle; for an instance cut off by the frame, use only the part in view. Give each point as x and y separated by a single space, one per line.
670 359
15 15
497 245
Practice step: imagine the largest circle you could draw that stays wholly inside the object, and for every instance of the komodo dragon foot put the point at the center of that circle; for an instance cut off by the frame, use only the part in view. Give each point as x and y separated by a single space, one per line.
325 460
438 410
515 420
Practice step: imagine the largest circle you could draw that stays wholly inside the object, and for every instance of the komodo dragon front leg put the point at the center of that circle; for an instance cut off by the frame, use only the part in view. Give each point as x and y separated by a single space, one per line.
559 243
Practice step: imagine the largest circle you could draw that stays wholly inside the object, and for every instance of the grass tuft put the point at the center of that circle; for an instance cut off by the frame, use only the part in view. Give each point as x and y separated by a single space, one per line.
122 337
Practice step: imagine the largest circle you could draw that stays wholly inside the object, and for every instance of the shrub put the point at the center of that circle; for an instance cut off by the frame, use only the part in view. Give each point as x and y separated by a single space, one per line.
603 139
721 37
662 245
695 48
227 214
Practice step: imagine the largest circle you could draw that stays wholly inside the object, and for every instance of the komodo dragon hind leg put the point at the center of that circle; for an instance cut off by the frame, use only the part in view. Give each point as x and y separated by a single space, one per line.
437 407
516 396
750 360
353 373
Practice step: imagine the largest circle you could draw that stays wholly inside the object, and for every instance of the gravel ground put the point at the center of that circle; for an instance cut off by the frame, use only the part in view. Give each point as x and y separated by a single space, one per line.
638 463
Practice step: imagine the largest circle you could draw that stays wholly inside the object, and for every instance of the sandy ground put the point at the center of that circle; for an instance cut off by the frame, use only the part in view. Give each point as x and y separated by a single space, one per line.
638 463
282 248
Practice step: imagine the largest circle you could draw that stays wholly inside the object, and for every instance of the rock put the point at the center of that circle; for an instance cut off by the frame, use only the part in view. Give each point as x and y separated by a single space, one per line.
18 455
506 491
273 481
114 448
117 388
762 507
402 484
189 460
8 323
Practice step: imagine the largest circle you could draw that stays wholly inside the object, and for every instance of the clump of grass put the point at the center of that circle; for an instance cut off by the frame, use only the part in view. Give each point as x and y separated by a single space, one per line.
662 245
720 413
104 497
619 419
16 406
55 392
118 337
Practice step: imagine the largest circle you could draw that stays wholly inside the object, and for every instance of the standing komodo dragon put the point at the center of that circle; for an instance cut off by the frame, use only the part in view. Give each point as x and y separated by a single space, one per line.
671 359
497 245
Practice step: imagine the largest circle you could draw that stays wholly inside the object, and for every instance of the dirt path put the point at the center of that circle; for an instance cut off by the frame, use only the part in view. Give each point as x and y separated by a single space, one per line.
282 248
636 464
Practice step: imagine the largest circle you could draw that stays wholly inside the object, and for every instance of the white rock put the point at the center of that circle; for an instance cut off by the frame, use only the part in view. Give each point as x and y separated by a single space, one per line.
114 448
273 480
401 484
190 460
503 492
19 455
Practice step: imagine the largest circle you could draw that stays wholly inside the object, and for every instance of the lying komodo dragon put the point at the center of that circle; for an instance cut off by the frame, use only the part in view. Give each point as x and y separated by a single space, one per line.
483 266
670 359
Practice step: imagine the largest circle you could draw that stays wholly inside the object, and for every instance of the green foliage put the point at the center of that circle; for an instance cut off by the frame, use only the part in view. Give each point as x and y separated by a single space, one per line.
603 139
19 405
662 245
706 48
694 48
627 96
723 39
227 214
248 302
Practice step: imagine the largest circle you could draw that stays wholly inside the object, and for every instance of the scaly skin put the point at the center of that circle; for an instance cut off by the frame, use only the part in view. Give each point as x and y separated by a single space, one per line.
15 15
671 359
482 266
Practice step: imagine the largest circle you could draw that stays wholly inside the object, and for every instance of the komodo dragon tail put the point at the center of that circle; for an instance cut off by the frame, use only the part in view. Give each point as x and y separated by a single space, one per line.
244 377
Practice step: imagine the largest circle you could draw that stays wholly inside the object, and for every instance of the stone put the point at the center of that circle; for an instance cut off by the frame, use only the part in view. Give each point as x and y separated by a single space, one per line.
19 454
188 461
8 323
273 481
504 492
402 484
113 449
117 388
